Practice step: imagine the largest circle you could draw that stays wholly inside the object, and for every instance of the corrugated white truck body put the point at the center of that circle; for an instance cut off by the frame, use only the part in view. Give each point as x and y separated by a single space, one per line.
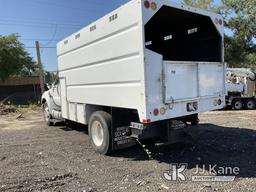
123 60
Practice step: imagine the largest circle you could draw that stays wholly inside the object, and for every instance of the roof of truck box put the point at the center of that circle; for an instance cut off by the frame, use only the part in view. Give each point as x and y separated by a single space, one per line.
65 46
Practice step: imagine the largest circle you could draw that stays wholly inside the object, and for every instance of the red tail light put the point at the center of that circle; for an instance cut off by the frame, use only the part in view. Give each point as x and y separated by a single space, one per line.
146 120
146 4
156 112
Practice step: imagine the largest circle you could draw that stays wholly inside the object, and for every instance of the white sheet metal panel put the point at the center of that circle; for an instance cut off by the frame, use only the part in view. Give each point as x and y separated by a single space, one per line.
63 93
211 81
118 70
179 109
81 113
235 87
154 75
121 45
186 80
72 108
105 66
181 81
110 40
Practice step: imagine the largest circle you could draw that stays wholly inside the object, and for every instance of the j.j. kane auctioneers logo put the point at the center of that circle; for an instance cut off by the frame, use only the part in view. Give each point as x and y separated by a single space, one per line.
214 173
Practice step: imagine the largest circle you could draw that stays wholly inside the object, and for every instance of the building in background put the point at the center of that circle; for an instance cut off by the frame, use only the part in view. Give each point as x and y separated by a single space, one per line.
20 90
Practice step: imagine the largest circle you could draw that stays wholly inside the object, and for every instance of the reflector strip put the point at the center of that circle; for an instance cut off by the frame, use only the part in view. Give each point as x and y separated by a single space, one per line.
146 120
153 6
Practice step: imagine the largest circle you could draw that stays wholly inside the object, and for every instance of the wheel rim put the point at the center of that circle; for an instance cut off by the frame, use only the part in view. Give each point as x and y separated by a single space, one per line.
46 113
238 105
250 104
97 133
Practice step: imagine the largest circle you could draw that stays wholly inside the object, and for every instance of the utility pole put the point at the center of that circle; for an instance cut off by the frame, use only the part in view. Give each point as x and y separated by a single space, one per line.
41 70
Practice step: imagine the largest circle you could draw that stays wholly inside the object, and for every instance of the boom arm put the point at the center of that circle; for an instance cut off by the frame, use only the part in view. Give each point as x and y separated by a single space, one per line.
241 72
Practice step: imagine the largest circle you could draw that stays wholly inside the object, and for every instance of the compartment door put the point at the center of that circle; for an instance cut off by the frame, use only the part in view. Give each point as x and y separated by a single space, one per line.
63 96
211 79
180 81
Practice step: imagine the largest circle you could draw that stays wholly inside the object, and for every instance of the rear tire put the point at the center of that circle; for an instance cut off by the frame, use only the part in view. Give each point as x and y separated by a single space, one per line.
237 104
47 115
99 132
250 104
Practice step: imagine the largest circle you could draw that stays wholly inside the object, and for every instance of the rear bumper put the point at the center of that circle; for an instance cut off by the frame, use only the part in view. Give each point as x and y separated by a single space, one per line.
180 108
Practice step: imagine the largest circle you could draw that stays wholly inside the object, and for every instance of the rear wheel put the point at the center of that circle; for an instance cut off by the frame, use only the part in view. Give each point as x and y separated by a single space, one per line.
238 105
47 115
99 131
250 104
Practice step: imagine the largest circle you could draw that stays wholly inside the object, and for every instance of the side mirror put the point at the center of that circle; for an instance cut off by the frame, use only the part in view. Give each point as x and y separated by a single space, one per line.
49 86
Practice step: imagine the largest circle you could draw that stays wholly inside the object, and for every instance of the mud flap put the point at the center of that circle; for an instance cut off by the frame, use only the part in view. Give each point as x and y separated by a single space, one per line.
120 131
121 138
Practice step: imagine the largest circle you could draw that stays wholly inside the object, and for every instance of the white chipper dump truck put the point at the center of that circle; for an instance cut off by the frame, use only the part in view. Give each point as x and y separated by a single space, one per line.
241 88
136 71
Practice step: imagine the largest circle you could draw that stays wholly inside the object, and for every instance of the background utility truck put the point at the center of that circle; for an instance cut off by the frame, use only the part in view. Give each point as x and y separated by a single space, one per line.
241 88
137 71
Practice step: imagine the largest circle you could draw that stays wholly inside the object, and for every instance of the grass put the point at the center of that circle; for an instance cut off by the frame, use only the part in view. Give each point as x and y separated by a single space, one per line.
28 108
19 108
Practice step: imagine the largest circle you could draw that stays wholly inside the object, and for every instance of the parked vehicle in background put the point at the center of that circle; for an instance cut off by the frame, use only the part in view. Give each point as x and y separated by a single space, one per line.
241 88
142 71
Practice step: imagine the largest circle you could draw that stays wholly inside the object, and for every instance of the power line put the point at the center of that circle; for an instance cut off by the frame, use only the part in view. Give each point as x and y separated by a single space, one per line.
42 21
55 40
37 20
37 26
53 36
33 47
38 23
66 6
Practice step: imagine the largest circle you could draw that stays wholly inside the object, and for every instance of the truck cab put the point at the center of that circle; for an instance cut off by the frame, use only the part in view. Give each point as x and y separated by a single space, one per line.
241 88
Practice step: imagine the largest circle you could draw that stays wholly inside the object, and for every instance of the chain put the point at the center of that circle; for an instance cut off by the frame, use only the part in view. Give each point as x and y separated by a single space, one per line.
145 149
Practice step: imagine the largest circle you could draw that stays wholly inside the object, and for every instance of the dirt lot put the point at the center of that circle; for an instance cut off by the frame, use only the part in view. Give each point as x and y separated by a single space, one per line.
34 157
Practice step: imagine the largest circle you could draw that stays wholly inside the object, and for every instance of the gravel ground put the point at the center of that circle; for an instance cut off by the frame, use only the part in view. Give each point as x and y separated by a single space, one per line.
34 157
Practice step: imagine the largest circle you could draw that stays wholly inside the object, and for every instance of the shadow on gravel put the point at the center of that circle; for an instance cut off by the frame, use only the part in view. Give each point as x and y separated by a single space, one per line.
74 127
213 145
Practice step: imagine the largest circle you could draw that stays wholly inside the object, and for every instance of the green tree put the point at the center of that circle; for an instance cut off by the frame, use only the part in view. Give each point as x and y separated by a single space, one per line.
14 59
240 22
203 4
240 16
